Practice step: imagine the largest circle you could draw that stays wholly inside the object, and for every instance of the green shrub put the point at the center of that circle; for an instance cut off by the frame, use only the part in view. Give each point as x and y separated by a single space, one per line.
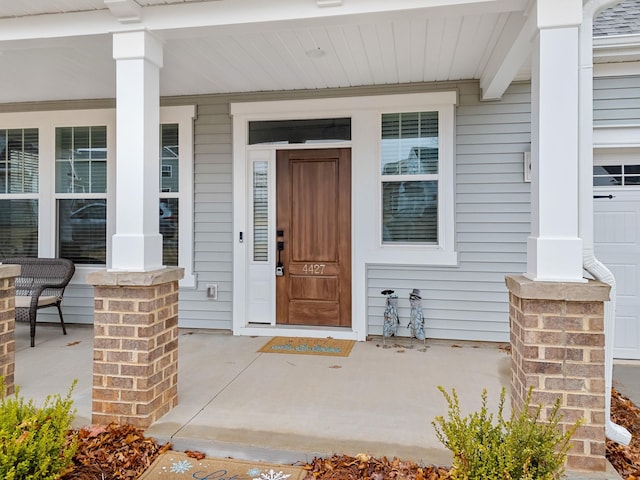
35 442
521 448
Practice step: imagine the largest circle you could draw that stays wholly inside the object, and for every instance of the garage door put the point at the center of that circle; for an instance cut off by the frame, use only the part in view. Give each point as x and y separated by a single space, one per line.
617 243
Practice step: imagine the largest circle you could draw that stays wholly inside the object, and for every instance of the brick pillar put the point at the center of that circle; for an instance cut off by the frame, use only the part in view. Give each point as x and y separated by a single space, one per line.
557 347
8 325
135 346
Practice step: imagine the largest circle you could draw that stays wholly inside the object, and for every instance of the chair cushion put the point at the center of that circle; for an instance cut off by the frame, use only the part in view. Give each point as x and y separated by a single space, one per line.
25 301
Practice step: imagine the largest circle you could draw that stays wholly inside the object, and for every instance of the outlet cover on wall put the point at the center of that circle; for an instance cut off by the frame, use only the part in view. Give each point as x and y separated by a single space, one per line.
212 291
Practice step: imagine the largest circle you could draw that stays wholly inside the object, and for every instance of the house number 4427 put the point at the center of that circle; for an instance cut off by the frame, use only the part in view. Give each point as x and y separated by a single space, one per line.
313 269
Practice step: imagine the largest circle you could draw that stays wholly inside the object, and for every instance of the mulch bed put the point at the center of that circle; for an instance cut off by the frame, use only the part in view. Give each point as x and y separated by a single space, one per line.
124 453
626 460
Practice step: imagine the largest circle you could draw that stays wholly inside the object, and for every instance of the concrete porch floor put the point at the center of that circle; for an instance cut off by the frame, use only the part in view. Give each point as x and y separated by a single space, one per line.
235 401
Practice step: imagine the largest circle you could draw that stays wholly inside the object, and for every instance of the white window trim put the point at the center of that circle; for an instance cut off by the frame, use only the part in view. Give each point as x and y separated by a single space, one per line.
616 136
443 252
184 117
47 122
367 248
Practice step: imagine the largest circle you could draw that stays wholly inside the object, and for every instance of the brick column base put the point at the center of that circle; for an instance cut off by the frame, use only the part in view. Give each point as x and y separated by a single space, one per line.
135 346
8 325
557 347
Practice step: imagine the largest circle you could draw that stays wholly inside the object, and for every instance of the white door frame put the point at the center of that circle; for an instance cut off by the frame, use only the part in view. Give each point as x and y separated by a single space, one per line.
254 307
366 243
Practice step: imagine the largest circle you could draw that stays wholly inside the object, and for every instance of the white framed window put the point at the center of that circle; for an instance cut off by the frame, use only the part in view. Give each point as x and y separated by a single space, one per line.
19 176
81 193
415 218
57 174
409 168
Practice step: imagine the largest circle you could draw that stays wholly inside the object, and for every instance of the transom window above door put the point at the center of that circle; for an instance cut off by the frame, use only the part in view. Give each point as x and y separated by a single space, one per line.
316 130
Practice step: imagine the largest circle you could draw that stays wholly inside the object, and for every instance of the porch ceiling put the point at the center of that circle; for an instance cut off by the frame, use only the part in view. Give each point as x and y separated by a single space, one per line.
61 49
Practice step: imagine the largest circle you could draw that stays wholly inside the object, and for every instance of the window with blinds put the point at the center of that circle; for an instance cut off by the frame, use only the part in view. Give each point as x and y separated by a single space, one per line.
81 191
260 211
19 157
409 175
19 161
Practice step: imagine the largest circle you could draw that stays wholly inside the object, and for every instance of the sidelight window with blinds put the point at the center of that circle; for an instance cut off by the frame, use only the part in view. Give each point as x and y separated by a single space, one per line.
260 211
410 178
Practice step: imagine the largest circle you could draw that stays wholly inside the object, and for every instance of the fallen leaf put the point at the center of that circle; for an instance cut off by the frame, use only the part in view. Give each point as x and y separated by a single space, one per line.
363 457
194 454
23 436
71 344
114 452
94 430
335 366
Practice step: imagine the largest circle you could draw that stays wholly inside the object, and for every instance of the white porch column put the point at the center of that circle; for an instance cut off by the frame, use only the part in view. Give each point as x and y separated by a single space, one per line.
554 249
137 243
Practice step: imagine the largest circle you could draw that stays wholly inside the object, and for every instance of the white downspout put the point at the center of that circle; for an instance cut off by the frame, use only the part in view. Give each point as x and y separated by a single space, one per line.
585 188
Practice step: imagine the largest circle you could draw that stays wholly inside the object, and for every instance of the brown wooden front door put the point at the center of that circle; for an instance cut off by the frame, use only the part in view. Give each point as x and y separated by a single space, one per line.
314 218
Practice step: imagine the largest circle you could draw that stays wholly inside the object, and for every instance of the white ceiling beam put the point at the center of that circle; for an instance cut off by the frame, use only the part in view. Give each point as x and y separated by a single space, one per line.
512 51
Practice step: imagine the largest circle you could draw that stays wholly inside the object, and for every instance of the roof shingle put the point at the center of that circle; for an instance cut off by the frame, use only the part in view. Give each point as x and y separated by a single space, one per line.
621 19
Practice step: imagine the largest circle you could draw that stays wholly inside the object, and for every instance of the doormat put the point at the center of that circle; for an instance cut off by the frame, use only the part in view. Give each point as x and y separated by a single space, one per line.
309 346
177 465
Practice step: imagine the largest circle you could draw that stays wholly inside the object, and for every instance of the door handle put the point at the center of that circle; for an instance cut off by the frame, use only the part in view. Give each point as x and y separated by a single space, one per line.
280 266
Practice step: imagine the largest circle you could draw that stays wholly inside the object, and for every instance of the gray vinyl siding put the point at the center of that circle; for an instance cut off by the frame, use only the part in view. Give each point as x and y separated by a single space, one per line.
616 100
213 215
77 306
470 301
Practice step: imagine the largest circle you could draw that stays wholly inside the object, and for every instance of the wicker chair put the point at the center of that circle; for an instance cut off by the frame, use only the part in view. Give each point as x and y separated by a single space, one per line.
41 284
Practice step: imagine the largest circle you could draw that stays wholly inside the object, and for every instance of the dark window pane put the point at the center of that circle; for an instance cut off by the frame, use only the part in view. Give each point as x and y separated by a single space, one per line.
300 131
410 212
632 169
607 170
19 161
169 166
606 181
632 180
82 230
169 230
18 228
